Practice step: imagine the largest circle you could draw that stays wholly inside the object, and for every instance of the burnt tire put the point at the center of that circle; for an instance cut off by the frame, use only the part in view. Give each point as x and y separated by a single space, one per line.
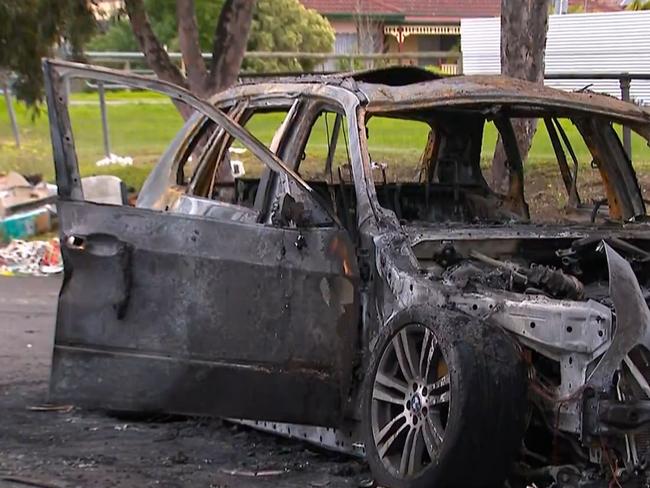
482 423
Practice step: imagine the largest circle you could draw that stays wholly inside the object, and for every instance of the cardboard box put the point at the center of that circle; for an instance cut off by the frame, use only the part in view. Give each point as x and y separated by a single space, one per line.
18 195
27 224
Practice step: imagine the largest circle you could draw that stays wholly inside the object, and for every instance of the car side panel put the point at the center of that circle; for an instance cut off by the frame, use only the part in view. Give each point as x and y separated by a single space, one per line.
175 313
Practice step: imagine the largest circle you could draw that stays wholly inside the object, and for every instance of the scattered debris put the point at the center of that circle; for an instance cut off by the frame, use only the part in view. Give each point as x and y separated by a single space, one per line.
36 258
179 458
17 191
115 159
19 480
105 189
236 165
25 209
237 168
253 474
19 194
47 407
319 483
26 224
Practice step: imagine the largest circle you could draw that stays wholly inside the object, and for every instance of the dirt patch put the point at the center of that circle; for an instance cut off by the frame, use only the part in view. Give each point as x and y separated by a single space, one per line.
547 198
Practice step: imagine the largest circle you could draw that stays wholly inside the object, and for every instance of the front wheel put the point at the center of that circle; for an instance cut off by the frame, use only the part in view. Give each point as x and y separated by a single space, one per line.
444 402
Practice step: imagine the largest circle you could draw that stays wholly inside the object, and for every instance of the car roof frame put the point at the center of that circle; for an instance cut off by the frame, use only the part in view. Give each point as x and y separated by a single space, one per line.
66 161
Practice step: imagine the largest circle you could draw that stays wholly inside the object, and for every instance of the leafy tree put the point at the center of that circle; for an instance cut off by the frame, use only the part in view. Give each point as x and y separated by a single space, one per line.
277 25
117 37
639 5
31 29
228 45
286 25
163 17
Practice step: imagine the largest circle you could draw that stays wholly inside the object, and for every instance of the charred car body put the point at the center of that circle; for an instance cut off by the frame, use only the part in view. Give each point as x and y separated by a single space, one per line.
427 324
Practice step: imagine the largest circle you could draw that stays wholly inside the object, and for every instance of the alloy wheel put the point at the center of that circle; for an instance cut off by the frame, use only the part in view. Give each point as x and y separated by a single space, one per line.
410 402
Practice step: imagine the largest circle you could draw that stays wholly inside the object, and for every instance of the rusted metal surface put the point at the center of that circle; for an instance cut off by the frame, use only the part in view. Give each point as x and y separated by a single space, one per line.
132 312
275 306
57 69
632 314
160 307
491 90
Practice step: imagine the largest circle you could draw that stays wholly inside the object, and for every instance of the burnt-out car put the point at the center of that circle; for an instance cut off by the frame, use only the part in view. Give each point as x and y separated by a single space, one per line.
422 319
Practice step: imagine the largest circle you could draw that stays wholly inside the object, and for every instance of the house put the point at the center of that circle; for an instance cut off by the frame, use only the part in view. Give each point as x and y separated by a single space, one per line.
593 6
583 44
411 26
367 26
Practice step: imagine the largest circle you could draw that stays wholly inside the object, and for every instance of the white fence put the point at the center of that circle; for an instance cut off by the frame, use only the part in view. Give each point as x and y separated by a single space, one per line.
577 43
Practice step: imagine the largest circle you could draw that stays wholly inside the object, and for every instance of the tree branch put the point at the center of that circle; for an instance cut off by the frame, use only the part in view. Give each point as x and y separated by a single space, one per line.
230 39
154 53
188 38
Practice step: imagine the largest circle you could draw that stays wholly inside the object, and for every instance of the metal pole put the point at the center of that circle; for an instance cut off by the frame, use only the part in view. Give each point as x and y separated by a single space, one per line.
12 114
560 7
625 82
127 67
102 109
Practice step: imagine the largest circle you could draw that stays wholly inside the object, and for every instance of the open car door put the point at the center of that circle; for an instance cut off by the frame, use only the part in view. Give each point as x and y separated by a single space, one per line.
168 312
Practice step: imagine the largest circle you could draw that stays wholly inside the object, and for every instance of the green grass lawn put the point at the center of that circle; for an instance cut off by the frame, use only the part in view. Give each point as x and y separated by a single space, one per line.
143 124
139 130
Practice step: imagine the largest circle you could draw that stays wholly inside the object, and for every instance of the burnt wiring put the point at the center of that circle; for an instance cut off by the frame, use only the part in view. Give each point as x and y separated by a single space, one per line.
538 386
612 464
544 392
559 402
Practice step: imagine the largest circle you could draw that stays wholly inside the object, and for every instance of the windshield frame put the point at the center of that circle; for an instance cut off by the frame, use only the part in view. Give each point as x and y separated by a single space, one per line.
626 187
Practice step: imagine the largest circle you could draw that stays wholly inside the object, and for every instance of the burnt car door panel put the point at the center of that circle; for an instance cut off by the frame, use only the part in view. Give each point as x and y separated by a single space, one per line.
164 311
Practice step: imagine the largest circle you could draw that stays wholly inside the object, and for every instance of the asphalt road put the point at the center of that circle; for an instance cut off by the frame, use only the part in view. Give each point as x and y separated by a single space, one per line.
77 448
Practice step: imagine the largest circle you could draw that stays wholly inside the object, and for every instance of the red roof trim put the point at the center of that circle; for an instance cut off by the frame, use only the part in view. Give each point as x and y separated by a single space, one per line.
431 9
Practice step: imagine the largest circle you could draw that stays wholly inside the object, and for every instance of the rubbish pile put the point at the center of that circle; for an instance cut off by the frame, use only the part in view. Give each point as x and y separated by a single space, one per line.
26 209
35 258
115 159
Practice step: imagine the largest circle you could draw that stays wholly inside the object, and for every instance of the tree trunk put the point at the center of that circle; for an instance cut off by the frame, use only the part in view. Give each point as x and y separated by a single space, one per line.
188 39
155 54
524 25
230 39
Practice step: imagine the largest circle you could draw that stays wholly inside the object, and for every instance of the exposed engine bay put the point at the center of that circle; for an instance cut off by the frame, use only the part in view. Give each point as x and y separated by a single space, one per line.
573 299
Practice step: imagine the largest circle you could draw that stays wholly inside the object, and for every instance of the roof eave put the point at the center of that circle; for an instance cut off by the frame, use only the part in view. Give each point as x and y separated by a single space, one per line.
391 17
